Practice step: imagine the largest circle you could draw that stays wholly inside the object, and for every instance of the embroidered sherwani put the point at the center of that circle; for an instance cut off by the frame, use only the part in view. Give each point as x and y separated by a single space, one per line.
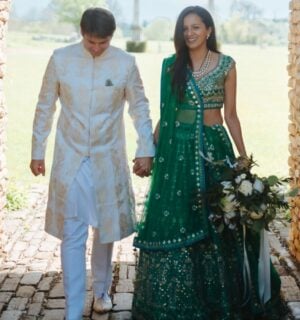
92 93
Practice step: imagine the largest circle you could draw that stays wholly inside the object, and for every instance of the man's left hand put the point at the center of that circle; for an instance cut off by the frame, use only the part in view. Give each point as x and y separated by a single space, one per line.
142 166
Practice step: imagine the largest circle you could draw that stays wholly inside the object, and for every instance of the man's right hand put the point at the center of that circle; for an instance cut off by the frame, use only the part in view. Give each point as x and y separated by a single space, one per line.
38 167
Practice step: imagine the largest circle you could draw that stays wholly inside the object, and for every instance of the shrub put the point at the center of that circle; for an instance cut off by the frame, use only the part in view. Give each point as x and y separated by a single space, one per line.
15 199
136 46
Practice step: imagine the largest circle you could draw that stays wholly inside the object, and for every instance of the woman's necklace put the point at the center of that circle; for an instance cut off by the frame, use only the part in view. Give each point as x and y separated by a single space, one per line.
204 67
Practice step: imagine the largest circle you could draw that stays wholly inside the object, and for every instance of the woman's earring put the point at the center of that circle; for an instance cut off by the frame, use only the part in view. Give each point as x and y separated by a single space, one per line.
207 36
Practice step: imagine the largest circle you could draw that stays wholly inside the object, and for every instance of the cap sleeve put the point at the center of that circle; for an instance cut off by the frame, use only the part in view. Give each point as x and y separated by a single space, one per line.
229 63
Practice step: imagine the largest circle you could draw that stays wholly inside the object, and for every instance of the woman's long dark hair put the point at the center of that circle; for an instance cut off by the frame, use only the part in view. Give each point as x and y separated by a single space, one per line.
182 52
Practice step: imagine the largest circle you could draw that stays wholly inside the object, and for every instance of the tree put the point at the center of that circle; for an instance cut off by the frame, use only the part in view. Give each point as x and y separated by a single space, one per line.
33 15
13 14
115 7
70 11
159 29
241 31
246 10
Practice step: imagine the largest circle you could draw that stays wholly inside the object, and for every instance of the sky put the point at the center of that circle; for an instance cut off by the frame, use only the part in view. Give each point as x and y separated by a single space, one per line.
150 9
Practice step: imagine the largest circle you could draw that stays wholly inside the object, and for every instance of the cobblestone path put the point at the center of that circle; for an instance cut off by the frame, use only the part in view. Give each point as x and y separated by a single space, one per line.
31 280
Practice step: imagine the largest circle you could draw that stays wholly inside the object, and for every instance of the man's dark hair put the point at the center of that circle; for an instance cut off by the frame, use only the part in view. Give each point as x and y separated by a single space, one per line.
97 22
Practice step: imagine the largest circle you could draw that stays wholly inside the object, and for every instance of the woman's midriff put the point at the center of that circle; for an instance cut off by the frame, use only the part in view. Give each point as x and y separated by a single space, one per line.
212 116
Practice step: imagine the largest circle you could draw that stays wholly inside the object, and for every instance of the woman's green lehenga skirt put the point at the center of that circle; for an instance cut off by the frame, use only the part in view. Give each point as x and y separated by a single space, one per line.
201 279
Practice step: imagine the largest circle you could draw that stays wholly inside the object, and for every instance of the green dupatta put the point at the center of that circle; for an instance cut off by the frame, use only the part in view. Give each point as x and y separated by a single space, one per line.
177 229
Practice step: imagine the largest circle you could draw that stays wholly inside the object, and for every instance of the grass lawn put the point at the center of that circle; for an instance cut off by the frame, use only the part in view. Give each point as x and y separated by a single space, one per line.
262 101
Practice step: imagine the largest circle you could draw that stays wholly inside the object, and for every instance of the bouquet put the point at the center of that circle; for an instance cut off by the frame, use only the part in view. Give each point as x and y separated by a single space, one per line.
241 197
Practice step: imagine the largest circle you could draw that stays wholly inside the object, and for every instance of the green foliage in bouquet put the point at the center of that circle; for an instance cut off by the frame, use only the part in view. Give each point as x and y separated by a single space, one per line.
241 197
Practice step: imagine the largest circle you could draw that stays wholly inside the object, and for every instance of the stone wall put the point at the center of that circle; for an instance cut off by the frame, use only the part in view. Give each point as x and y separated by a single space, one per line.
4 14
294 125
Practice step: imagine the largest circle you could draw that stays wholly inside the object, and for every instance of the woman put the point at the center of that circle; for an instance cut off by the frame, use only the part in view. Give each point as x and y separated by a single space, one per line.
186 269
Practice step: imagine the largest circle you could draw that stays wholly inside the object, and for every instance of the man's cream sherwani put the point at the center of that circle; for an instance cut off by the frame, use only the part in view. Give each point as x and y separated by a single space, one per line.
92 92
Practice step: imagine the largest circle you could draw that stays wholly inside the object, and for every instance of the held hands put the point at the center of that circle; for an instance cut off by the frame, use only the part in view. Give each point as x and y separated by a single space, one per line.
38 167
142 166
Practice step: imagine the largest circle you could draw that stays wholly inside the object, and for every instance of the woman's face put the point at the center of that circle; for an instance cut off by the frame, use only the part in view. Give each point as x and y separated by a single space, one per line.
194 31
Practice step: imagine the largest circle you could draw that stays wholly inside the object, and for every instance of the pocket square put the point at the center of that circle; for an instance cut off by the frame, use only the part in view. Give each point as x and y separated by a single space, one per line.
108 83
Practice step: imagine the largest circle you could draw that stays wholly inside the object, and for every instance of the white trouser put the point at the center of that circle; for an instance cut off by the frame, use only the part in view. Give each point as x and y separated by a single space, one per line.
73 252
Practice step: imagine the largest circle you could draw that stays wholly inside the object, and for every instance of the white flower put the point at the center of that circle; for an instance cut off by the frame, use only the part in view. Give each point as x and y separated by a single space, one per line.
239 178
227 186
230 215
229 203
246 188
231 198
258 185
279 189
232 226
256 216
263 207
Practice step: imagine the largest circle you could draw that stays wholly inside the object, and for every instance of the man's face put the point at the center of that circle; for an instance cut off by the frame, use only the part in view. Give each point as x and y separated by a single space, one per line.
95 45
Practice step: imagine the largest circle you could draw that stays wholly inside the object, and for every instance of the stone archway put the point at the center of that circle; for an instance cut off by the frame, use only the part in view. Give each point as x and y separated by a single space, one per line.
4 15
294 126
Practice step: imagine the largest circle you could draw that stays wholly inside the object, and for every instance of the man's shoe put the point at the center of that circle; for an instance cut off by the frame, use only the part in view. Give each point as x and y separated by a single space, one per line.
103 304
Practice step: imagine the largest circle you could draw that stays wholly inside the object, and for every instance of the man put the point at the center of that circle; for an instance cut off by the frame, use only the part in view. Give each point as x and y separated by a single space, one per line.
90 180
